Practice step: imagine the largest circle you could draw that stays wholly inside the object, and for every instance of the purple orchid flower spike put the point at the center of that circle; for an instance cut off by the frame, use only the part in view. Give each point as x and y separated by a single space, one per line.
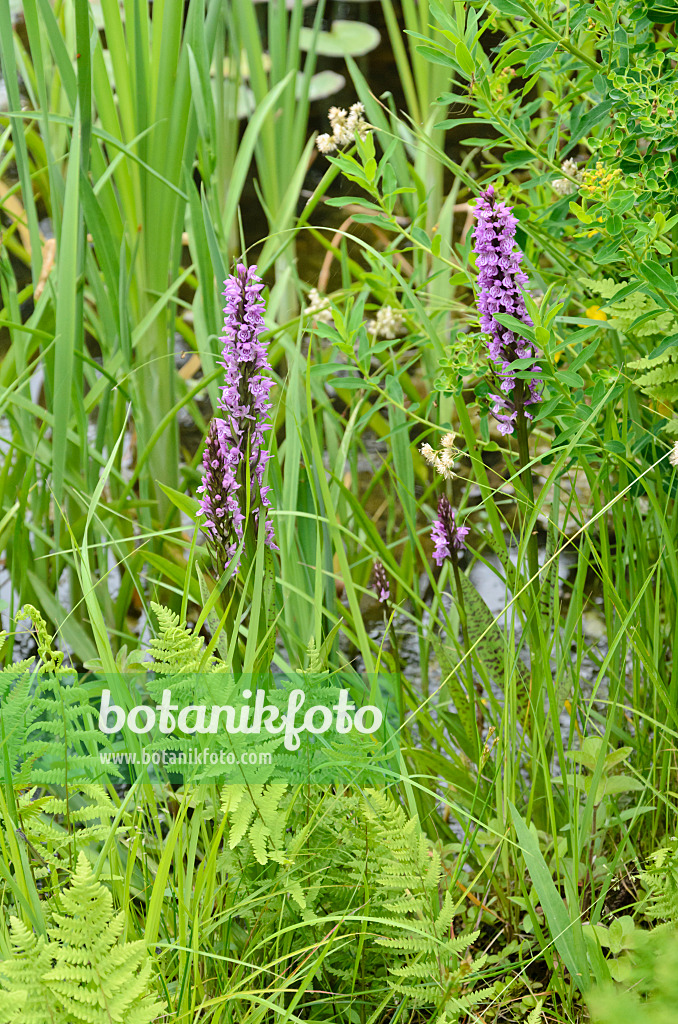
500 278
446 535
235 456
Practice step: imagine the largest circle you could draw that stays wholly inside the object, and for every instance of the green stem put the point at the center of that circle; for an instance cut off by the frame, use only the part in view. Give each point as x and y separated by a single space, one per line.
464 628
551 33
397 666
538 658
525 477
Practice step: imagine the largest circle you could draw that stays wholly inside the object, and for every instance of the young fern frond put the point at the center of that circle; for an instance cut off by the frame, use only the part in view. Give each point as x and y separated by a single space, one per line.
51 659
24 997
81 973
46 720
535 1015
176 649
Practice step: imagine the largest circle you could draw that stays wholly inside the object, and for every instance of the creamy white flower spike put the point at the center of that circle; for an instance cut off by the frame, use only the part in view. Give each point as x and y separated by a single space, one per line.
388 323
563 186
347 125
318 307
325 143
443 460
673 457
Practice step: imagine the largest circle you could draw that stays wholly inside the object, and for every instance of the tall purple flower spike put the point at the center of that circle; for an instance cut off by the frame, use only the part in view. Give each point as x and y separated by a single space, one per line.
234 453
499 281
445 534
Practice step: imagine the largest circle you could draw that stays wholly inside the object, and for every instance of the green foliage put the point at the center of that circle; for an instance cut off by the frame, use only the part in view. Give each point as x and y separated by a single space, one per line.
15 701
254 813
25 997
89 812
351 858
644 138
342 904
176 648
50 659
535 1015
639 317
609 781
80 972
406 871
47 717
659 377
635 314
650 989
645 968
660 881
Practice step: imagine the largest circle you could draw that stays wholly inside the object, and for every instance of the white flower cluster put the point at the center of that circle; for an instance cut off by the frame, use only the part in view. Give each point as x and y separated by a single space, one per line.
563 186
346 125
442 460
318 307
387 323
673 457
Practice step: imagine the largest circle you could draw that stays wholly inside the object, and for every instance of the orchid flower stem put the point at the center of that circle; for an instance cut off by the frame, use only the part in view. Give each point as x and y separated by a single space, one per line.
464 628
528 487
532 612
398 670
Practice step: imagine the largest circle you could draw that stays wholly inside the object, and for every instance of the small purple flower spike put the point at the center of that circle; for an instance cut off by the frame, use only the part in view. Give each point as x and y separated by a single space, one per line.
499 282
234 453
446 535
380 583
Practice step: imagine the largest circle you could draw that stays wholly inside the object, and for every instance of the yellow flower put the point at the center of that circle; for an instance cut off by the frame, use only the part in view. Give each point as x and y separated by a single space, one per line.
595 313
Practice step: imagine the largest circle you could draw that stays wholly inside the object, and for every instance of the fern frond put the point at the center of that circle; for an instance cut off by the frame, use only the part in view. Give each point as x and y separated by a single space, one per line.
660 881
89 807
535 1017
404 943
50 658
97 978
82 972
444 921
24 999
665 373
649 362
357 850
466 1002
255 812
176 649
419 994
